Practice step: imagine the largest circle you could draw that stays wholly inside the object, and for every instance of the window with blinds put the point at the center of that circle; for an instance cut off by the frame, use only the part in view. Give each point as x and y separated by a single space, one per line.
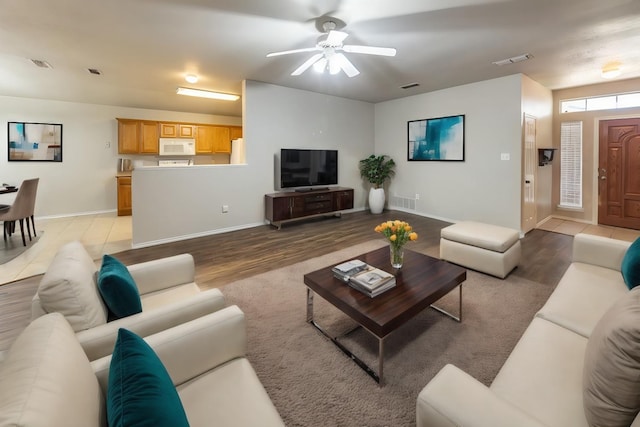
571 165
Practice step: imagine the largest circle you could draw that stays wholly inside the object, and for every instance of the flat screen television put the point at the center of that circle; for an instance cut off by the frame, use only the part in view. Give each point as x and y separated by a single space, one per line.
308 168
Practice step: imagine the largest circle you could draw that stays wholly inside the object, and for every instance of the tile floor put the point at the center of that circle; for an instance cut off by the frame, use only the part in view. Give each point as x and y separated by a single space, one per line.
572 228
108 233
101 234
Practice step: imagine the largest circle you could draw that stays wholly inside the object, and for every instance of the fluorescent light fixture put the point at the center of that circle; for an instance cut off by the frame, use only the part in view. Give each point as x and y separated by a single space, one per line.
191 78
611 70
207 94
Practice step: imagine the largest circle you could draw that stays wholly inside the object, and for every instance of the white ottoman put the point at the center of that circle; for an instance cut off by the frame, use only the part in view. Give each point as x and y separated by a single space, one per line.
487 248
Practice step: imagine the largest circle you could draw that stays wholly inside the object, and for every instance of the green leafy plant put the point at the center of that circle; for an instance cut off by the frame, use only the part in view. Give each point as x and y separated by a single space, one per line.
377 169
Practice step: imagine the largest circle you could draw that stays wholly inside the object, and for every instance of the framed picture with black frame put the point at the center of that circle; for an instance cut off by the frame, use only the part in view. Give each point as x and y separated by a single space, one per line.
34 142
438 139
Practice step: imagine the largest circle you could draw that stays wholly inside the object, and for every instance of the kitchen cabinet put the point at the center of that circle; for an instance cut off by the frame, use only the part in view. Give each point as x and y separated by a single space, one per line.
221 139
137 136
235 132
124 195
213 139
177 130
204 139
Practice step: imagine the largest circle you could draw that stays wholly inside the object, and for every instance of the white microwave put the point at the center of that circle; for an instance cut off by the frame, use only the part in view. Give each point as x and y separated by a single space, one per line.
177 147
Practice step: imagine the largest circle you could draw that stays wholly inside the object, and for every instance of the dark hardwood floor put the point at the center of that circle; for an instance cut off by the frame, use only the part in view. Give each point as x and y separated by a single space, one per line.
224 258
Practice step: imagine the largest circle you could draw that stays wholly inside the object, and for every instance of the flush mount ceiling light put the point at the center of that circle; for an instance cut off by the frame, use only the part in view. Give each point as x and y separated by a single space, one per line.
191 78
207 94
611 70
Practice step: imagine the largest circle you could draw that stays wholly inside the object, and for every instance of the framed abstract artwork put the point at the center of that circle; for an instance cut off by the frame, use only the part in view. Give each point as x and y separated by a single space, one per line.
438 139
34 142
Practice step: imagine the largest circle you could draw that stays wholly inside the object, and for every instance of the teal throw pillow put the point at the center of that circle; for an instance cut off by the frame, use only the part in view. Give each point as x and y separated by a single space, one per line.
140 391
631 265
118 289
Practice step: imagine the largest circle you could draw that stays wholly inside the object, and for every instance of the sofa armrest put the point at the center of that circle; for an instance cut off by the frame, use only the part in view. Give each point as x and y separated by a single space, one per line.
193 348
99 341
597 250
454 398
163 273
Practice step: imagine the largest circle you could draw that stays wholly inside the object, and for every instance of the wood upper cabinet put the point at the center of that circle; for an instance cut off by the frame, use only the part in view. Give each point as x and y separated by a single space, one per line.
235 132
137 136
177 130
204 139
221 139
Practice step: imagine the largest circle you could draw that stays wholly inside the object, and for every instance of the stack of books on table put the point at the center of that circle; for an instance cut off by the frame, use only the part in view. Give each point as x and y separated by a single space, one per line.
367 279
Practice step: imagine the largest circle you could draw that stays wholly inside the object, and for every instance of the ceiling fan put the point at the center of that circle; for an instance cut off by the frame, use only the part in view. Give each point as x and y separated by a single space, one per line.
330 56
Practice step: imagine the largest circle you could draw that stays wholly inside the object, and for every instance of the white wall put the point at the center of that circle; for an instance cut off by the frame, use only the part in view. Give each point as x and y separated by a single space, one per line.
274 117
85 179
482 188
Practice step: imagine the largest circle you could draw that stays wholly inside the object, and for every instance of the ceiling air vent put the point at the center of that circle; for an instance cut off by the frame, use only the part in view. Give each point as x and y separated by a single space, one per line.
95 71
40 63
409 86
513 59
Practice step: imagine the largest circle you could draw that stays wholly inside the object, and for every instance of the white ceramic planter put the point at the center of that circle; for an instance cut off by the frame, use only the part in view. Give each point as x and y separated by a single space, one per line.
376 200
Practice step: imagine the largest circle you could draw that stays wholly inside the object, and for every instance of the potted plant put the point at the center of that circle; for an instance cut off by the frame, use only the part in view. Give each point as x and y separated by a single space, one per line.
376 170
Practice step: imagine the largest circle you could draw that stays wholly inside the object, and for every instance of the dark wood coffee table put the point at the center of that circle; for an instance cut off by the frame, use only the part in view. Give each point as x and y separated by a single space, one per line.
420 282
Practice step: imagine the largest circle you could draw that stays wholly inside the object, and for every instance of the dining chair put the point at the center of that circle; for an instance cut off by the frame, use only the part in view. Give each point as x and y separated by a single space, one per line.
22 208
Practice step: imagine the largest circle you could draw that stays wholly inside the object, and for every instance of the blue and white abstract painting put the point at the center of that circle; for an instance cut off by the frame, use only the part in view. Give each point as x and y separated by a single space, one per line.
436 139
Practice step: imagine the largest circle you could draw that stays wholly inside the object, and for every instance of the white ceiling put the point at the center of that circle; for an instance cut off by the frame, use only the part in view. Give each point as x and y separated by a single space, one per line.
144 48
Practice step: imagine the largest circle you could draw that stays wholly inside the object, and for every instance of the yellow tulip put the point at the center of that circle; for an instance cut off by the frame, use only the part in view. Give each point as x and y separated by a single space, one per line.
413 236
393 237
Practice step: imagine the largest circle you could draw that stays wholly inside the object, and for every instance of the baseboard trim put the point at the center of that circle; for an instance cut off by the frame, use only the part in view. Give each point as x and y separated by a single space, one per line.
71 215
138 245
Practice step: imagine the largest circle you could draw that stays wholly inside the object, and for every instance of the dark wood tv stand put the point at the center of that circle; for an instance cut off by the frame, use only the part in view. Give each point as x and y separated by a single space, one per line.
287 206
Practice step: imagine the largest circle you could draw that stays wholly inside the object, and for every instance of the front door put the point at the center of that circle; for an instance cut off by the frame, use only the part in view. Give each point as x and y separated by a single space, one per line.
619 173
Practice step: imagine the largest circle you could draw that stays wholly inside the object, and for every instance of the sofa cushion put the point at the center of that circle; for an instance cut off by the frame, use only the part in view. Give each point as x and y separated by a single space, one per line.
118 289
140 391
69 287
46 379
543 375
582 297
631 265
611 375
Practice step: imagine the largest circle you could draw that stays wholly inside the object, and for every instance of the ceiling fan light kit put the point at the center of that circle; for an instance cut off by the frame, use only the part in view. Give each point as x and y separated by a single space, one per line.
331 58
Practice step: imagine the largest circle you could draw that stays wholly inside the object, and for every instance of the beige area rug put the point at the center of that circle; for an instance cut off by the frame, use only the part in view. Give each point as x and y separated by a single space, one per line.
312 383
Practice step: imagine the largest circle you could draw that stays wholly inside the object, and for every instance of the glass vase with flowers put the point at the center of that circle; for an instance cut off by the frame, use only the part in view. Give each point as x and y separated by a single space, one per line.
398 233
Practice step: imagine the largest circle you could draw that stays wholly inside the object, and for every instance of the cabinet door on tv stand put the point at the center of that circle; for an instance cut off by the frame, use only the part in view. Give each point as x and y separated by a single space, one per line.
281 209
342 200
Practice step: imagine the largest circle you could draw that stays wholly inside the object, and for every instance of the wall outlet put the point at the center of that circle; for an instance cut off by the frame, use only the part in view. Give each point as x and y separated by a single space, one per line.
505 156
417 196
225 208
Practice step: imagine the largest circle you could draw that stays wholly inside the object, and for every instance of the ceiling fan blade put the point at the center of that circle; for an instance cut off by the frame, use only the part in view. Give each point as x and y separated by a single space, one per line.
308 63
369 50
335 38
287 52
346 65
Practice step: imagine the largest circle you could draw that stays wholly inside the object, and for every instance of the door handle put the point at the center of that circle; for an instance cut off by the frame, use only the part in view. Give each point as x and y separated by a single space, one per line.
527 182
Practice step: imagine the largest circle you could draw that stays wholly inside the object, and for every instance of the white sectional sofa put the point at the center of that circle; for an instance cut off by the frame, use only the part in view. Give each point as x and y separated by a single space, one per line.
46 379
167 288
541 383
